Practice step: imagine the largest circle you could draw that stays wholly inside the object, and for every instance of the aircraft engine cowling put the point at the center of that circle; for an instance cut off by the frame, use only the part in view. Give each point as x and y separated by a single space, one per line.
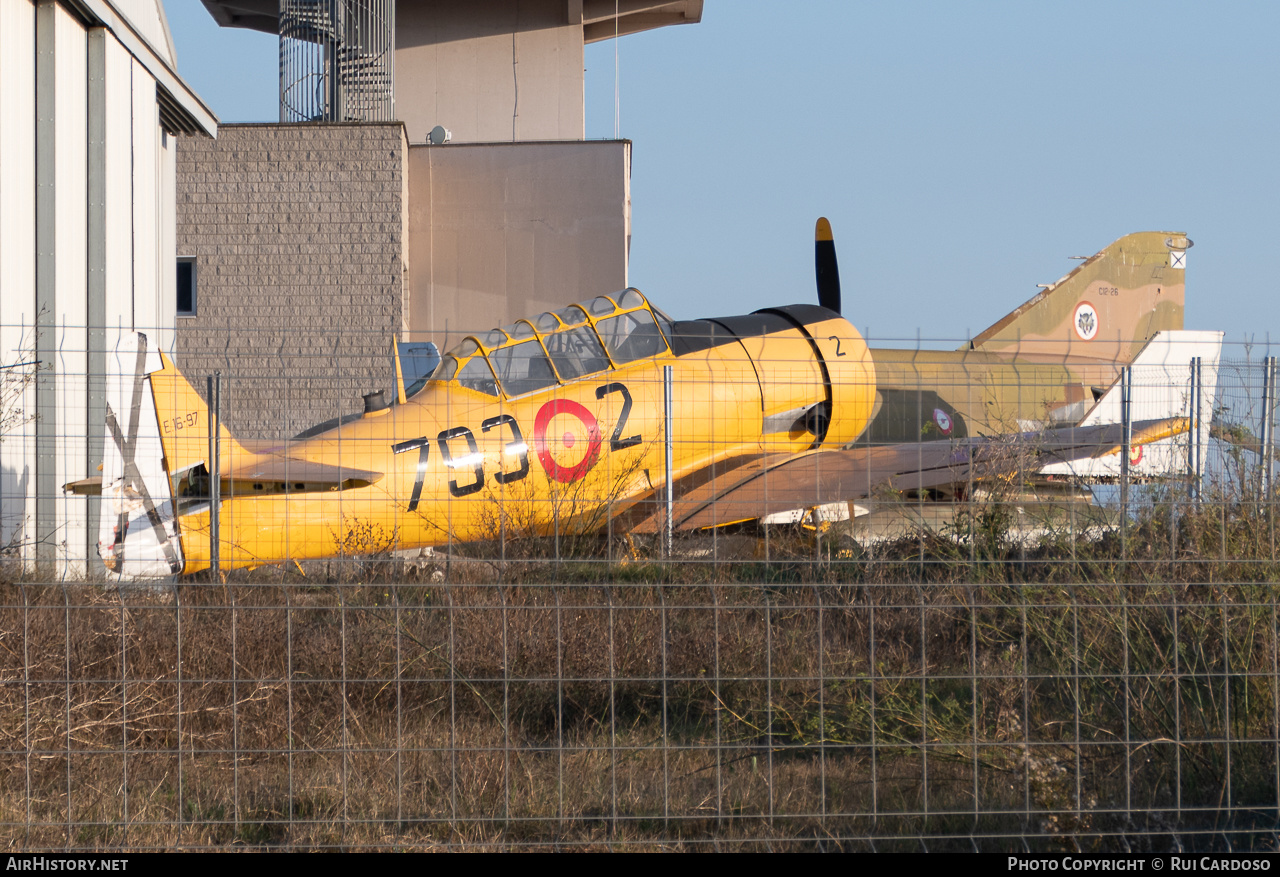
816 378
847 372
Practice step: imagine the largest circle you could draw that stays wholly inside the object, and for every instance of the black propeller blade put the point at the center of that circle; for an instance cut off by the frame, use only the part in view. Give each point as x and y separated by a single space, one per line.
828 272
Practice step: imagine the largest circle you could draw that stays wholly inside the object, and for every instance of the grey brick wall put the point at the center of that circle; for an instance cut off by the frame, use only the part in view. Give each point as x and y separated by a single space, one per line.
299 236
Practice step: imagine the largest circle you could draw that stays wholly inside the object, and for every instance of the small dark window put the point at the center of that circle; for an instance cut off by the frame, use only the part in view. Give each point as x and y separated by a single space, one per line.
187 287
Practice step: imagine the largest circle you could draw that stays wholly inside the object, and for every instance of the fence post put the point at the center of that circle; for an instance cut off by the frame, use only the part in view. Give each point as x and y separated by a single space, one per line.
1126 447
1268 427
1268 442
667 407
215 472
1195 459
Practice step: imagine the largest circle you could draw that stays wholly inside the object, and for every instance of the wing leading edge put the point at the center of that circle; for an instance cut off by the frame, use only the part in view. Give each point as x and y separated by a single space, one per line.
781 483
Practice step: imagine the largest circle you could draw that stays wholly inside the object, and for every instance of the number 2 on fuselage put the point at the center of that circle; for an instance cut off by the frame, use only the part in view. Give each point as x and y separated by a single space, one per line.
517 447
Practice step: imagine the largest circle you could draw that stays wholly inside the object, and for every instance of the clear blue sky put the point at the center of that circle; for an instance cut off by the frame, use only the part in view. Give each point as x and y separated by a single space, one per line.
961 151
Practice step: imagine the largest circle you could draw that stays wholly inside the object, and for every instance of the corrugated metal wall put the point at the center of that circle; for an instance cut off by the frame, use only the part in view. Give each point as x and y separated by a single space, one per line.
119 163
83 152
69 430
17 254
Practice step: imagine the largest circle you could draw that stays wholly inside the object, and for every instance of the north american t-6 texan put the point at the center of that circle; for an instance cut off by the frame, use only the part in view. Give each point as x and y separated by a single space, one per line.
558 423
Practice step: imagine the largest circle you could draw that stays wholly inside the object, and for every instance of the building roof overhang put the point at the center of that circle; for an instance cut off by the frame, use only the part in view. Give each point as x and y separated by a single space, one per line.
263 15
181 109
605 19
600 19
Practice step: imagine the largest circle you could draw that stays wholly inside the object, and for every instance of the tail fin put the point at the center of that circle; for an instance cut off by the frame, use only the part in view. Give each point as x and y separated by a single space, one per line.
1107 308
185 421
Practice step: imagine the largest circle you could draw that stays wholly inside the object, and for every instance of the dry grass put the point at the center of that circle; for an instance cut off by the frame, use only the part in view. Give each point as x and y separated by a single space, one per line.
1084 694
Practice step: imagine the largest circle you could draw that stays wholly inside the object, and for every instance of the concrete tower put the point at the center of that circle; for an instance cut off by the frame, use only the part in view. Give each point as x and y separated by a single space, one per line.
311 243
487 70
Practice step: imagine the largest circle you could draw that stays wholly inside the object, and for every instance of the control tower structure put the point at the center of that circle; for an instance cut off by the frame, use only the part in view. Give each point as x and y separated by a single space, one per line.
308 243
486 70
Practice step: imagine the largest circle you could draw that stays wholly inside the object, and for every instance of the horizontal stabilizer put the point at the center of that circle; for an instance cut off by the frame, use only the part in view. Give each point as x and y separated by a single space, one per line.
272 474
264 475
85 486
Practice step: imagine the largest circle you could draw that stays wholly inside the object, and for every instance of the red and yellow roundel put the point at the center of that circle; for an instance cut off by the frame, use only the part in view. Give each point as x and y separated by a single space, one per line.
567 439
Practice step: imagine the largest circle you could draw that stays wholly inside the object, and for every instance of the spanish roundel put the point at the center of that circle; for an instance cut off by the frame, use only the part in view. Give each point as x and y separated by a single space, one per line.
566 437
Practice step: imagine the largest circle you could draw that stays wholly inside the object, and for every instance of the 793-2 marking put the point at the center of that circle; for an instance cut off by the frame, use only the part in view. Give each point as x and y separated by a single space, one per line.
447 440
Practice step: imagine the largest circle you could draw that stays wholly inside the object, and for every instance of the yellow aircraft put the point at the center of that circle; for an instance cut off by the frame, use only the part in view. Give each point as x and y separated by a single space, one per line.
554 423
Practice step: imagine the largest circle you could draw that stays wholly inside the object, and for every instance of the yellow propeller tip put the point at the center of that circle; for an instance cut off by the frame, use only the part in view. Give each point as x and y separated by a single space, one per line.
823 230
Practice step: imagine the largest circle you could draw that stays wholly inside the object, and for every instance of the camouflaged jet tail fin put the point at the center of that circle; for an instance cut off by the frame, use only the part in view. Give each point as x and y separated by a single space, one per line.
1107 308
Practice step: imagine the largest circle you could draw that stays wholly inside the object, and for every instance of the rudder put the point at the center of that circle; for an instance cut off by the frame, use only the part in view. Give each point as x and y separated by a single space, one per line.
138 536
154 461
1107 308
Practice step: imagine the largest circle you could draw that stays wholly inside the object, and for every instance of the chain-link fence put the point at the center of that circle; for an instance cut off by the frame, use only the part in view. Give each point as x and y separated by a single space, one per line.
1037 654
736 715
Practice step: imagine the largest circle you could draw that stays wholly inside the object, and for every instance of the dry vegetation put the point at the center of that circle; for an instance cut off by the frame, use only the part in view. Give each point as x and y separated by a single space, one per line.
1084 694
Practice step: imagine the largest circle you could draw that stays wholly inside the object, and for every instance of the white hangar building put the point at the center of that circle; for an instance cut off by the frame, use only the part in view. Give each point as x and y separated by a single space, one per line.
90 103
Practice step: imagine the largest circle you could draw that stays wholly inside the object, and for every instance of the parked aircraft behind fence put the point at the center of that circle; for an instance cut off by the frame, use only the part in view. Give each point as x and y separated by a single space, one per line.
556 424
1048 361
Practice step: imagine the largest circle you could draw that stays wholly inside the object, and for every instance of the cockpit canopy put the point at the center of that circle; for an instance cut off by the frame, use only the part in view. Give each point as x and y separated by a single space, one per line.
558 346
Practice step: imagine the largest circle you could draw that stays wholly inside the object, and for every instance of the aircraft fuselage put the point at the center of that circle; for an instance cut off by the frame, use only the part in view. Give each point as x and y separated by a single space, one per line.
462 463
